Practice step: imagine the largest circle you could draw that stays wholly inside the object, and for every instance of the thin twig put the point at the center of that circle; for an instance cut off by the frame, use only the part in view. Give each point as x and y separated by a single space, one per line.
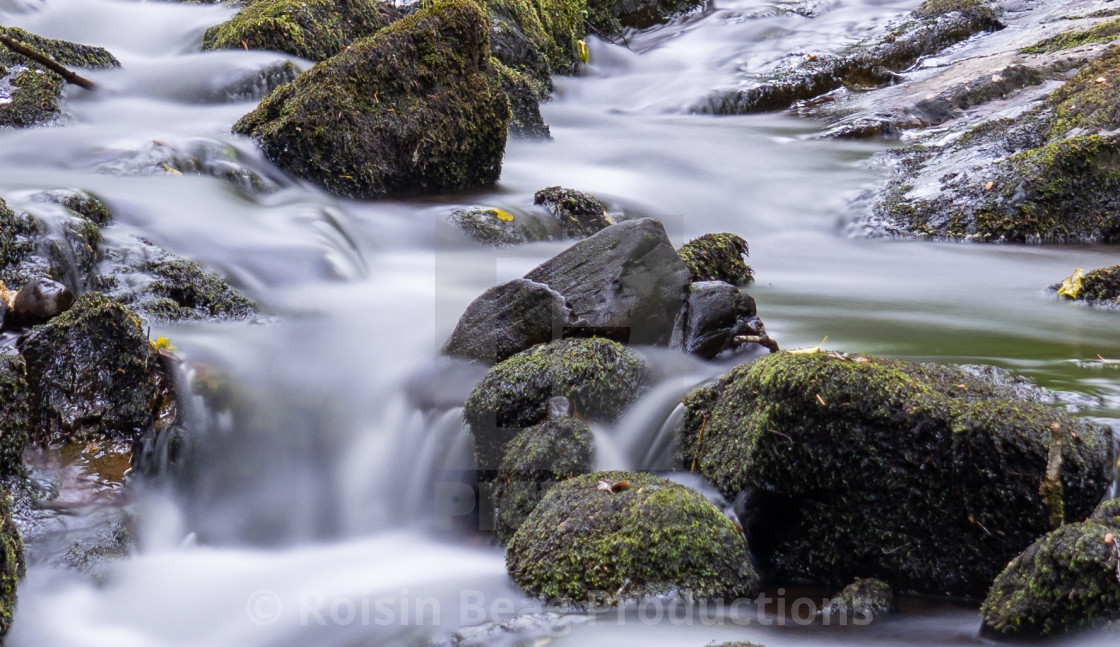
67 75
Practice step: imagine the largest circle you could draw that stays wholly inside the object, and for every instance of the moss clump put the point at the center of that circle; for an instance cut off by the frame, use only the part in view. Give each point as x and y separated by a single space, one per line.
83 203
536 460
552 27
91 374
1089 101
61 51
583 545
14 430
1101 33
11 563
973 9
1101 285
923 476
415 108
17 242
601 378
580 215
717 257
311 29
865 598
1064 581
195 293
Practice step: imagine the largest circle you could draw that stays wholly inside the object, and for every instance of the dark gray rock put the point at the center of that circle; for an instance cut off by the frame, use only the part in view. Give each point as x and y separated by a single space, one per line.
508 319
860 602
579 214
498 227
38 302
13 411
625 282
714 316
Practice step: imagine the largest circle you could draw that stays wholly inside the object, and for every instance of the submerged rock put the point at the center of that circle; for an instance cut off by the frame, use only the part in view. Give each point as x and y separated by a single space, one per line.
717 257
36 92
498 227
507 319
927 477
600 378
535 460
865 599
416 108
580 215
14 426
38 302
641 535
625 282
1066 580
311 29
91 373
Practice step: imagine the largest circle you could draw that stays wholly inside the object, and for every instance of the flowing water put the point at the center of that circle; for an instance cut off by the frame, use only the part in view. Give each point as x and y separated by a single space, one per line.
327 507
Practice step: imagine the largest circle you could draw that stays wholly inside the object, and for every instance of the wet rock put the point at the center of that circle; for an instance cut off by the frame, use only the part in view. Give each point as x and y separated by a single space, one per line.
1099 33
82 203
535 460
1100 287
38 302
514 50
1064 581
14 427
717 257
11 564
416 108
525 97
527 31
818 442
625 282
498 227
601 378
91 373
580 215
18 234
932 27
311 29
507 319
865 599
34 92
718 317
609 16
589 545
246 85
192 157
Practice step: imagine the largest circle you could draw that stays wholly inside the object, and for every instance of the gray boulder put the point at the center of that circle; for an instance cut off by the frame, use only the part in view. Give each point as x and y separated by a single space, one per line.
508 319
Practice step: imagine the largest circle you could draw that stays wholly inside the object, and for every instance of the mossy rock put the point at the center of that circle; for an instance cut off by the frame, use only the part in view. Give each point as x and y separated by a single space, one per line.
1066 580
551 27
973 9
525 97
18 235
536 460
1099 287
14 426
717 257
12 566
926 477
82 203
311 29
862 600
601 378
1087 102
1100 33
91 373
498 227
35 92
584 545
416 108
195 293
579 214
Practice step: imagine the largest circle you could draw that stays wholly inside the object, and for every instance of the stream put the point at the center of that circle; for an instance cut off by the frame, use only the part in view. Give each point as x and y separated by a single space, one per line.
328 512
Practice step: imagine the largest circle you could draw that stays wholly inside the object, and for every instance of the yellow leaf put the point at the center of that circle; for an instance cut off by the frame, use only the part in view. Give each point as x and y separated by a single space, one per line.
584 53
171 170
161 343
1071 287
504 216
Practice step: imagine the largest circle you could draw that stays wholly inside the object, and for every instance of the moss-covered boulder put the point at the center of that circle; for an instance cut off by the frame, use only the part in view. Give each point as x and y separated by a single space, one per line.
14 426
32 91
18 235
862 601
92 374
181 290
580 215
11 563
1066 580
717 257
928 477
416 108
311 29
528 30
536 460
600 538
601 378
507 319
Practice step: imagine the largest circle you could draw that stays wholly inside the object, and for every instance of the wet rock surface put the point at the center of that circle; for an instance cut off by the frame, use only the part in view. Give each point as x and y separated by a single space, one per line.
816 441
416 108
718 317
580 215
1064 581
38 302
509 318
605 537
863 600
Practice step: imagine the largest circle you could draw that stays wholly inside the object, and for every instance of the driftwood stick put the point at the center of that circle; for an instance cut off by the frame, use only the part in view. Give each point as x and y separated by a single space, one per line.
66 74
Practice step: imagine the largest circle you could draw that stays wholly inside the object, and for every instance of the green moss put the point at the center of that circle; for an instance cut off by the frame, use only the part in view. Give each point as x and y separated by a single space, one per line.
1102 33
553 27
535 460
525 95
580 214
17 242
91 373
1064 581
975 9
601 378
585 546
311 29
717 257
64 52
864 598
83 203
14 429
823 441
415 108
1101 285
35 99
1089 101
12 566
194 292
